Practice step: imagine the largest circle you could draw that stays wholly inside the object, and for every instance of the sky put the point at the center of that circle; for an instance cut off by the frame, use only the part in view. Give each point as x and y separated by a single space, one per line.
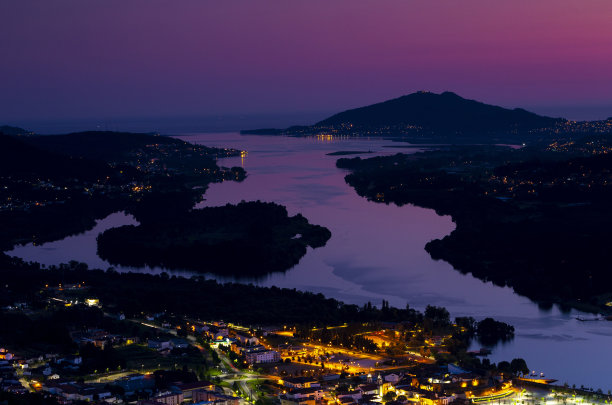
275 62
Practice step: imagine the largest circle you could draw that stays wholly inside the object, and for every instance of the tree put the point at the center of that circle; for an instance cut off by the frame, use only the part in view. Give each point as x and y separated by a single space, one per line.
519 366
389 396
439 316
490 331
466 322
504 367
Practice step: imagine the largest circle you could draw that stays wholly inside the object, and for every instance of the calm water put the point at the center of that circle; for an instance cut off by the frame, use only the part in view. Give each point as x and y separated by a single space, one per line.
376 251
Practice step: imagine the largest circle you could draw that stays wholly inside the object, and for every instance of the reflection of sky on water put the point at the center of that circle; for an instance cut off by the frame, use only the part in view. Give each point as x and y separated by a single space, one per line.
376 251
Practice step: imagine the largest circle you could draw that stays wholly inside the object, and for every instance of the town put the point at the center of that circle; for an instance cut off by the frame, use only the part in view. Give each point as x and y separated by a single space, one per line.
63 346
122 167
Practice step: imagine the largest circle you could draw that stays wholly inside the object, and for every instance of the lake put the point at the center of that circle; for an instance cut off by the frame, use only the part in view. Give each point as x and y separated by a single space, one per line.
376 252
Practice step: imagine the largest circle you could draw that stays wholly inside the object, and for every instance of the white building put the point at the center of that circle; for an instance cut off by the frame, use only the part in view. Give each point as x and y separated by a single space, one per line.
263 356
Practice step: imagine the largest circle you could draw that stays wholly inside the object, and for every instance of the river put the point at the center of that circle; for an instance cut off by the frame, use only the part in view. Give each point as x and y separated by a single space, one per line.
376 252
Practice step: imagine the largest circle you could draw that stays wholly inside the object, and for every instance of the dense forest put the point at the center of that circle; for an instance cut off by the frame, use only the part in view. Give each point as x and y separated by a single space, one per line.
248 239
136 293
534 220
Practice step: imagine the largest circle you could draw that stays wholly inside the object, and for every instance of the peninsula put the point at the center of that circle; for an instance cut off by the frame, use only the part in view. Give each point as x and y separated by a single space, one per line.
58 185
535 218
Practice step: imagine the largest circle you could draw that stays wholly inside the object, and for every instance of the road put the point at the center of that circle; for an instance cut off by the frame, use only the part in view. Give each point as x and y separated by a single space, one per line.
233 374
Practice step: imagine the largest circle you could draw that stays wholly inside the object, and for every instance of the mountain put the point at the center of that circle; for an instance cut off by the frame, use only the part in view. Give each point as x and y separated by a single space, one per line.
427 114
446 112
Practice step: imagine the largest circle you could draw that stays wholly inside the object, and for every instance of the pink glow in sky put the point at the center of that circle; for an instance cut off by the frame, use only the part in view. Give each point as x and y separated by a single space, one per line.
66 59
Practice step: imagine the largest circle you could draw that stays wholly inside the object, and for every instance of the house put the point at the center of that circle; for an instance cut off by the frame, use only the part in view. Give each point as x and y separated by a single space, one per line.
262 356
98 337
430 398
188 388
226 342
5 355
316 393
247 340
346 400
179 343
369 389
72 360
434 341
164 352
392 378
136 382
199 396
299 382
354 395
159 344
217 333
200 327
15 389
169 398
284 400
77 392
371 400
131 340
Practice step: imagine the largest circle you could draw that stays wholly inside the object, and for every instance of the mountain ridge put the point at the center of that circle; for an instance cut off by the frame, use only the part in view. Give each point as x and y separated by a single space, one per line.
426 114
412 109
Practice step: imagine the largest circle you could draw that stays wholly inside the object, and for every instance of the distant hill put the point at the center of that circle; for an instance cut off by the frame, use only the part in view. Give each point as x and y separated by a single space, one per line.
446 112
102 145
16 131
18 158
427 114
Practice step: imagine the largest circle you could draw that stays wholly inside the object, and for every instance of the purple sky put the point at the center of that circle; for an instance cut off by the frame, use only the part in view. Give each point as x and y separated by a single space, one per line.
149 58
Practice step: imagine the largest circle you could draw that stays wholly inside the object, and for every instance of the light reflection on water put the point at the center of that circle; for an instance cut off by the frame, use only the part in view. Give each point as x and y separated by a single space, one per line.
376 251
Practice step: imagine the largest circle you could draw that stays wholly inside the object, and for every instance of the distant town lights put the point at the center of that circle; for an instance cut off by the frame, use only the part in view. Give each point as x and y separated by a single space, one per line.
91 302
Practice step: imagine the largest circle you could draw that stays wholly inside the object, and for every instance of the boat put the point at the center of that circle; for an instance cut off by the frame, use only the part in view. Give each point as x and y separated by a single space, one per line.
537 379
582 319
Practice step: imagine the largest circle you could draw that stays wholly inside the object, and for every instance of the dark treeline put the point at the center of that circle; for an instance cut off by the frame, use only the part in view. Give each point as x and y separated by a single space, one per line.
49 329
116 147
135 293
28 399
21 159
